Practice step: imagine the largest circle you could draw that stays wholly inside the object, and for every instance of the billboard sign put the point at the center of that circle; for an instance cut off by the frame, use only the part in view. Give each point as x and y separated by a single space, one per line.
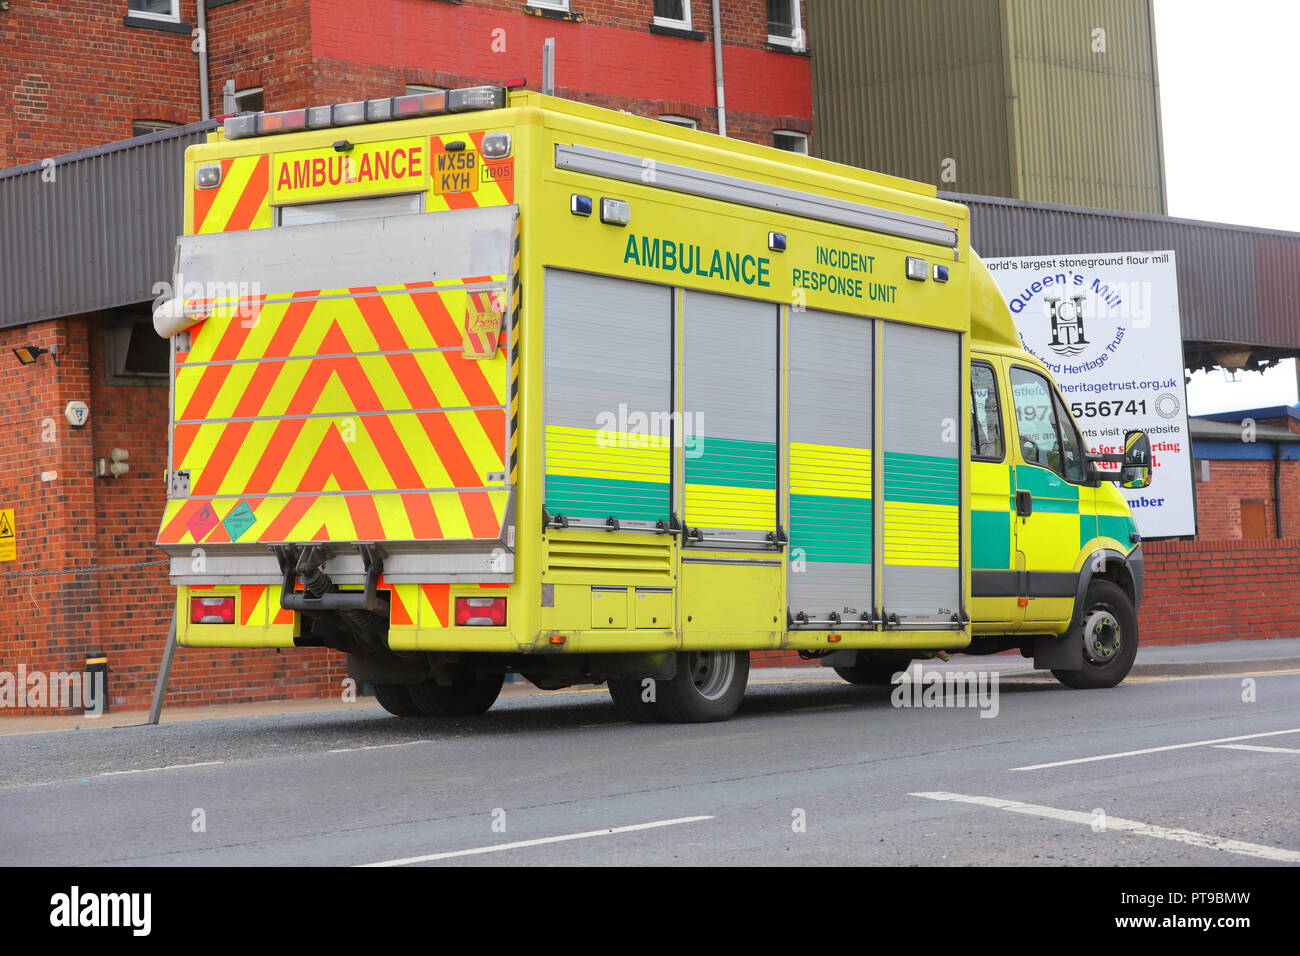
1107 327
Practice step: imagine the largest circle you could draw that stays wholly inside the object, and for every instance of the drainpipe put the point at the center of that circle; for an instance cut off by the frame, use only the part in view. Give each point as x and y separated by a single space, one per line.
1277 487
717 70
201 20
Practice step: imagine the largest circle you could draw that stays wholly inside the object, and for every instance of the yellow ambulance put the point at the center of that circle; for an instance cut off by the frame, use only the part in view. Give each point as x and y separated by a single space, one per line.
486 382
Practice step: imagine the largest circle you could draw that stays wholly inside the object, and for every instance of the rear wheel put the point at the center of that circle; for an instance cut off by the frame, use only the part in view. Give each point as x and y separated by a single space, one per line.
1109 634
872 672
396 699
629 695
467 695
708 686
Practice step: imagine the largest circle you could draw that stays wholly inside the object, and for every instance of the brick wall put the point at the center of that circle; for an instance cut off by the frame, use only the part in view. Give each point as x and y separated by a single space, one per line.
1232 481
1221 590
73 75
611 58
86 528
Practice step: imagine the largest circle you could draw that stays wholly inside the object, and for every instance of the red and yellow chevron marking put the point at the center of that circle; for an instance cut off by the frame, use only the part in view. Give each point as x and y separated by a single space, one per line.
242 200
315 442
411 316
357 516
496 183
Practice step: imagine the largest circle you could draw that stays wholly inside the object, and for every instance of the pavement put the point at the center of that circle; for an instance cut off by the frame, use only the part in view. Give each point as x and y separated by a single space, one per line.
1205 658
1166 770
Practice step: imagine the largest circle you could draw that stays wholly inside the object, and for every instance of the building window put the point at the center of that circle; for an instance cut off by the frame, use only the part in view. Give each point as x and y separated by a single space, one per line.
145 127
249 100
673 13
561 5
414 88
155 9
790 141
675 120
783 23
133 351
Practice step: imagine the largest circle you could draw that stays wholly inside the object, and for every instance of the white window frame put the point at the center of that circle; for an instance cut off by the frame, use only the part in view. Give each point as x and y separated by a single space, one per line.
800 136
240 94
561 5
679 120
156 126
798 41
683 24
173 17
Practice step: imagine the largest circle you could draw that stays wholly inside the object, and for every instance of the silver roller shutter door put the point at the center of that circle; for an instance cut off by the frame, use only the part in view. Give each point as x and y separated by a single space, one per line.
921 458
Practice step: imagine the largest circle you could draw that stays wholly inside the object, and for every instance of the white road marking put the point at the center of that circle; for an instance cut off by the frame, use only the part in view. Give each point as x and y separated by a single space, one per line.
1155 750
1190 837
1264 750
404 743
499 847
175 766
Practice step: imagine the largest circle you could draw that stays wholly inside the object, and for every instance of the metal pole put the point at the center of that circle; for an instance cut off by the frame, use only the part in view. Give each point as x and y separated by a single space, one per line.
202 20
164 672
548 66
717 70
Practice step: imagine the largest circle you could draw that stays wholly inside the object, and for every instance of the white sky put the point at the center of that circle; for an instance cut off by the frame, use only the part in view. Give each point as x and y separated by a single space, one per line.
1232 138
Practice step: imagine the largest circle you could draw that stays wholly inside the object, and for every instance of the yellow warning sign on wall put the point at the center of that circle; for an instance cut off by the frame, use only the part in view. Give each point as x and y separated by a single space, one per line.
8 540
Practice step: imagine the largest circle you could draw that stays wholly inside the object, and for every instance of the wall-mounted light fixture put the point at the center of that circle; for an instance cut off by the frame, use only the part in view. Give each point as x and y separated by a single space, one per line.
27 354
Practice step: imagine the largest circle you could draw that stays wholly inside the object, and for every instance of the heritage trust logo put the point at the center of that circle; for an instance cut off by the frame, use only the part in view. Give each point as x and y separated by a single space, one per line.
77 909
1066 316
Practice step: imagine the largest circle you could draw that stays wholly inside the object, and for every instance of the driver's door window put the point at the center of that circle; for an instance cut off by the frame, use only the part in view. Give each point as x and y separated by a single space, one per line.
1047 436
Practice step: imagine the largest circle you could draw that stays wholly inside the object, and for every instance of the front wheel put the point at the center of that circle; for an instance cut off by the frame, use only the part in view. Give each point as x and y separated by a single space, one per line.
468 695
708 686
1109 633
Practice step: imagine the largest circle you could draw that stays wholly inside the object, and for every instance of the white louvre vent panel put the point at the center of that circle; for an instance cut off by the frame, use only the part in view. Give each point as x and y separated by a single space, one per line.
729 405
920 514
830 463
608 395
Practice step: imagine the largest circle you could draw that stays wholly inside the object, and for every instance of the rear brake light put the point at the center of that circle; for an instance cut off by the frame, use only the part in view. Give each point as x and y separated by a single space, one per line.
212 610
480 612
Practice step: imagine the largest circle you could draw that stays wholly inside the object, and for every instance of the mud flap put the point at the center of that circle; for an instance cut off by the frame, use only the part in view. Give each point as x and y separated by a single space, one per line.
1059 653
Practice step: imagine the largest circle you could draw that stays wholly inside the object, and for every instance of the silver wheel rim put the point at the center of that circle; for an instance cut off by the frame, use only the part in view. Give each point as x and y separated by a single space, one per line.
1102 636
712 672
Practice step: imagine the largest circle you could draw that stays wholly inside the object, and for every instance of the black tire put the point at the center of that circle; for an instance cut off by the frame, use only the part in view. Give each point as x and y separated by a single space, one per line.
628 696
396 699
467 696
708 686
1109 634
872 672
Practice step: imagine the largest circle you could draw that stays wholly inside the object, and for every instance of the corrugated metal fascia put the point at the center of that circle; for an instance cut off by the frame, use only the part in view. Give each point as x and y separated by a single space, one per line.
100 234
1219 283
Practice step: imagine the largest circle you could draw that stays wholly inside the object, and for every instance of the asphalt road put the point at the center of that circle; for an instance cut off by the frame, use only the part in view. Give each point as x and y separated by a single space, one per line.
809 772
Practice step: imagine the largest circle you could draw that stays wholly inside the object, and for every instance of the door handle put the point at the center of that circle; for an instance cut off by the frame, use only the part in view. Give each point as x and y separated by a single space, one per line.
1024 504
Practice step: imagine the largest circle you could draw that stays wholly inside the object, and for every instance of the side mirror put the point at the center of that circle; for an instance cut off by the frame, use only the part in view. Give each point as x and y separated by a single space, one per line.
1029 450
1136 470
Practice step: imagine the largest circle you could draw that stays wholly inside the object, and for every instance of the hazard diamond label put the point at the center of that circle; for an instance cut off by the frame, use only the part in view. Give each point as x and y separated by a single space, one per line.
203 521
8 538
239 520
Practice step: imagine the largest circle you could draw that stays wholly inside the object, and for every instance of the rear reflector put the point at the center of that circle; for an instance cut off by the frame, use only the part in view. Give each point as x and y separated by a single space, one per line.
480 612
212 610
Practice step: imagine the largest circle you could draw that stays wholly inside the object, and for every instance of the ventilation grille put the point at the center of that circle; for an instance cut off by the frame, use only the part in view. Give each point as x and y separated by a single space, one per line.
575 557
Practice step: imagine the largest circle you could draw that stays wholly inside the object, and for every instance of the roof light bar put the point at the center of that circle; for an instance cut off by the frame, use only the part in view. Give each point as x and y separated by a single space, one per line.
469 99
